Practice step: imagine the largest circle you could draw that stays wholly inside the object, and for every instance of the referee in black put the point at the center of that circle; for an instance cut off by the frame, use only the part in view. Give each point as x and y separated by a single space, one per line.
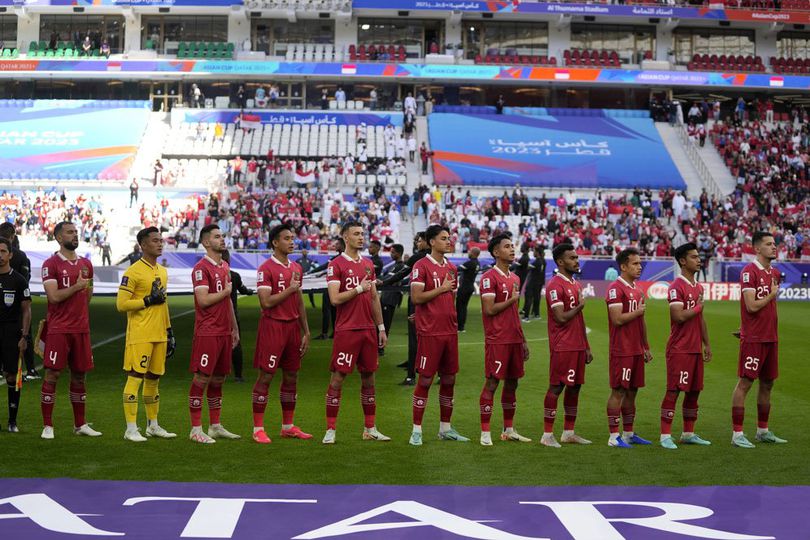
15 327
467 271
21 264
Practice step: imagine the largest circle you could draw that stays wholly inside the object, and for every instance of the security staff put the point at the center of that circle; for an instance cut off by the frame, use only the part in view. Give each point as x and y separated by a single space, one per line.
521 266
15 327
22 265
534 284
466 285
390 299
374 251
237 288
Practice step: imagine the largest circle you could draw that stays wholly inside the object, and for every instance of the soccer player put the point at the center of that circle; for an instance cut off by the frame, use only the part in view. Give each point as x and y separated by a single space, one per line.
629 349
283 336
759 341
350 282
433 287
687 349
215 335
505 348
15 327
149 341
568 346
68 283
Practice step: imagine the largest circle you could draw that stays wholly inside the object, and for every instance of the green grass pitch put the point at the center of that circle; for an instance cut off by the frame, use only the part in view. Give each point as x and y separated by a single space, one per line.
353 461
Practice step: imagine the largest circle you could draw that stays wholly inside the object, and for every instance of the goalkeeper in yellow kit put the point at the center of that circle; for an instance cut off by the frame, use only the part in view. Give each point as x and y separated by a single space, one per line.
142 296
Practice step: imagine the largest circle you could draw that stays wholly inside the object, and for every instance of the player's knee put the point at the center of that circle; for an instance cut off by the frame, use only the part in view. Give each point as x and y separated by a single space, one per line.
135 374
556 389
424 381
766 384
510 384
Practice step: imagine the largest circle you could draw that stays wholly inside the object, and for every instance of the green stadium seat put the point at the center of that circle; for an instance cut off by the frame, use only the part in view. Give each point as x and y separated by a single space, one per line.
43 45
33 47
50 53
230 48
6 53
15 53
149 45
70 53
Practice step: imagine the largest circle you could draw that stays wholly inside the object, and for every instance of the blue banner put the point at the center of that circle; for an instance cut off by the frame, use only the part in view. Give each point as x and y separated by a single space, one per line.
565 151
304 118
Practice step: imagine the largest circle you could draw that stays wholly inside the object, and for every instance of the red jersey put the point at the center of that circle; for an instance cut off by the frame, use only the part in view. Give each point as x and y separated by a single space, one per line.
276 276
356 314
214 320
505 326
437 317
759 327
685 337
560 291
626 340
72 315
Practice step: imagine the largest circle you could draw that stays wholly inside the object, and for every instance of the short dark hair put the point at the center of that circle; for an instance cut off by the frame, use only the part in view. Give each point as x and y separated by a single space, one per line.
559 250
433 231
682 250
625 254
7 243
398 248
420 234
59 226
759 236
143 234
375 243
205 231
348 225
496 240
278 229
7 230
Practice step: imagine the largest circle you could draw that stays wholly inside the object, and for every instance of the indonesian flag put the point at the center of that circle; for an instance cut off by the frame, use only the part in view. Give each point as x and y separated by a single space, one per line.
348 69
777 81
748 254
304 177
251 121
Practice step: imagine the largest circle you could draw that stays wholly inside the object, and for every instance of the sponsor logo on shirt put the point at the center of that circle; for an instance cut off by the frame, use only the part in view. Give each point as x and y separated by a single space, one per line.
553 295
8 298
330 271
485 284
44 271
198 275
673 294
260 276
746 277
612 294
125 281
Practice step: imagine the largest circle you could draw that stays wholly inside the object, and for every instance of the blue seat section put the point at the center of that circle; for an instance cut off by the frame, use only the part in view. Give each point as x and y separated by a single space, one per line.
544 111
70 139
586 149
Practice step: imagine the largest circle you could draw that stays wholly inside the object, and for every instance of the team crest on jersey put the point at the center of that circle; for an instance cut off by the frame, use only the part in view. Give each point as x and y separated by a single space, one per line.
612 294
85 273
125 281
368 271
351 272
746 277
485 284
198 275
553 295
8 298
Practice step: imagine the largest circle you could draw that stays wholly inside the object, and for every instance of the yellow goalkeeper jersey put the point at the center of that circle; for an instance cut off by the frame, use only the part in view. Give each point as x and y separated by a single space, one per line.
144 325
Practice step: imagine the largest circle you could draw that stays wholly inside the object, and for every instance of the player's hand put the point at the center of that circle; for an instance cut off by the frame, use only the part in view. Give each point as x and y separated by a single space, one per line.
448 284
228 288
707 353
736 333
22 344
378 283
647 356
295 284
171 343
588 356
234 338
366 284
642 307
156 296
304 344
82 283
382 339
526 352
249 292
774 288
412 318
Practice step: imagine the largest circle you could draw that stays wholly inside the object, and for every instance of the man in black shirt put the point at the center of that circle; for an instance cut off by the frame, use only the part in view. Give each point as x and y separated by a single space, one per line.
15 328
133 256
420 251
307 265
390 299
466 285
237 288
21 265
534 284
374 251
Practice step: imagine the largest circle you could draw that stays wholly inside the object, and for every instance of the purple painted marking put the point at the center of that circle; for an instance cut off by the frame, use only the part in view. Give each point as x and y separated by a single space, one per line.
158 510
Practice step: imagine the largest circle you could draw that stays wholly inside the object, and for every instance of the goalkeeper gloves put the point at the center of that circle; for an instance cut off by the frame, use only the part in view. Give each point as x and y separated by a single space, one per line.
156 296
171 344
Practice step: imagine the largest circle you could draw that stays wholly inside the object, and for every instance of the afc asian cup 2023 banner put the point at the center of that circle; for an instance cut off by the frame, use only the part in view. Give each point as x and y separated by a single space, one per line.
83 139
555 150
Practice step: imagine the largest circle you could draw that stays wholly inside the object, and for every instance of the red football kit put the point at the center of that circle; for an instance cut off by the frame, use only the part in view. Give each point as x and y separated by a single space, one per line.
759 352
503 334
212 346
355 340
436 323
567 342
67 342
626 341
278 341
685 345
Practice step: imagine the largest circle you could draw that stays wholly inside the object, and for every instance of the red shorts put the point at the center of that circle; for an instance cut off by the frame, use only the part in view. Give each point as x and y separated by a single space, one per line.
355 348
758 360
567 367
627 371
211 355
437 354
685 372
503 361
278 343
62 350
